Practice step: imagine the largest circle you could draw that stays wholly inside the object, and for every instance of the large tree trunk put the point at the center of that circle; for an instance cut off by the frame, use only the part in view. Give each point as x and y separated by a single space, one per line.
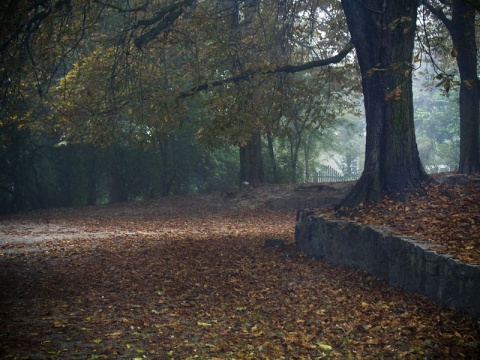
463 36
383 34
251 161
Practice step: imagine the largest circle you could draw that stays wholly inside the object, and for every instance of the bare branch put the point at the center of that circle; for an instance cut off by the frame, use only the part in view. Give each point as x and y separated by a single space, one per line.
124 10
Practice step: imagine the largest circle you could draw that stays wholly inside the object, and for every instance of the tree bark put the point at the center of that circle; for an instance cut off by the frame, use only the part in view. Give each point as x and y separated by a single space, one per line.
306 152
383 34
118 191
290 69
273 161
461 27
251 161
463 36
295 142
92 175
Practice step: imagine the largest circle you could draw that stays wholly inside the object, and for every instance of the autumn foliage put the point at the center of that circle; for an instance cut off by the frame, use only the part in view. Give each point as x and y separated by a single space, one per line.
190 278
444 215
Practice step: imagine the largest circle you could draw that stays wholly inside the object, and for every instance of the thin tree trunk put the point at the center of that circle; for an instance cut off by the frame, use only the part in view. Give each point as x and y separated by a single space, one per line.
306 151
294 148
92 176
271 153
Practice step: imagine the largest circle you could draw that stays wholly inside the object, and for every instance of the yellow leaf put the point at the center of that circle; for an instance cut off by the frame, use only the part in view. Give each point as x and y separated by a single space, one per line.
199 323
57 324
114 334
469 84
325 347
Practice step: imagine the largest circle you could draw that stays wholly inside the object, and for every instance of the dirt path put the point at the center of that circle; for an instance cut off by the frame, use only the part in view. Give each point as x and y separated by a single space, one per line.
28 231
187 278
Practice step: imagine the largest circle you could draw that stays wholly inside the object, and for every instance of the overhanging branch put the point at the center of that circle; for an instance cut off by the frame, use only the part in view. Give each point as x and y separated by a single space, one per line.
474 3
162 21
282 69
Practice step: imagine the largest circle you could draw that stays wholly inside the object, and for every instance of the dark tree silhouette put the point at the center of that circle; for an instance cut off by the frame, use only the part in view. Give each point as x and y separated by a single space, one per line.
383 34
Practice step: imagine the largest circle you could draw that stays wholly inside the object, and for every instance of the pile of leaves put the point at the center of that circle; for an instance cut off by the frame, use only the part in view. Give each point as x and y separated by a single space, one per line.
445 215
186 281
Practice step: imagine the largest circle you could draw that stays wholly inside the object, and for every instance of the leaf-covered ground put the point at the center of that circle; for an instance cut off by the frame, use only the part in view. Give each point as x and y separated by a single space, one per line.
446 215
181 280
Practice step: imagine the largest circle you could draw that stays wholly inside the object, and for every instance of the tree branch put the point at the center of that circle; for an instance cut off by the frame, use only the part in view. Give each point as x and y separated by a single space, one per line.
439 14
16 32
474 3
282 69
143 7
162 21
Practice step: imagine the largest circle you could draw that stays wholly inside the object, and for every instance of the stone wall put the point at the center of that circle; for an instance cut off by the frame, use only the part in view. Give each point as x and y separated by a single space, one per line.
411 265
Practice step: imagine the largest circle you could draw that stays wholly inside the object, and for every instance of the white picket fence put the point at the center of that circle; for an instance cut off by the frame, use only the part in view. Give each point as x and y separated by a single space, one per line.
329 174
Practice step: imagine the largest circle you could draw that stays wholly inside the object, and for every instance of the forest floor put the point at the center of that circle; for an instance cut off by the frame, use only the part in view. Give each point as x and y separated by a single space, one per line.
190 278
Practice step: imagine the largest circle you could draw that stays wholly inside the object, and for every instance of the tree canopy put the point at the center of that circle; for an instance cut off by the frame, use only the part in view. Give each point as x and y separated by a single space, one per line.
230 73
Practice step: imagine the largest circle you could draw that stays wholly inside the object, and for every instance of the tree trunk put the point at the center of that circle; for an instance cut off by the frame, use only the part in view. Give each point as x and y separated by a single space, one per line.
294 148
348 172
92 175
384 38
168 165
251 161
463 36
66 157
271 153
306 152
118 191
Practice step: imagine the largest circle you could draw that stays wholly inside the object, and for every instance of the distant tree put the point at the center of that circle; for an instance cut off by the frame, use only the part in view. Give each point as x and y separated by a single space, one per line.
133 77
462 28
437 126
